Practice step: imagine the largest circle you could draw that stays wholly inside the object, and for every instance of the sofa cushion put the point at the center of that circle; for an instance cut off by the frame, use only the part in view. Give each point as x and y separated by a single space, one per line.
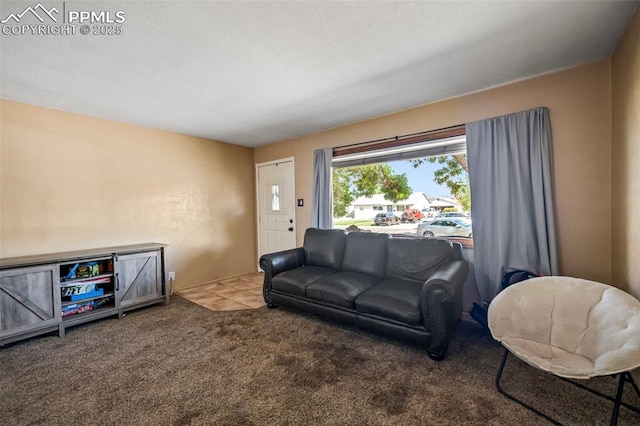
324 247
295 281
394 299
366 253
341 289
415 259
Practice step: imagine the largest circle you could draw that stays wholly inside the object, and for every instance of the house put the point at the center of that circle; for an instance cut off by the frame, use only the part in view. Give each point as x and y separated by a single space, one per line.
73 181
441 203
368 207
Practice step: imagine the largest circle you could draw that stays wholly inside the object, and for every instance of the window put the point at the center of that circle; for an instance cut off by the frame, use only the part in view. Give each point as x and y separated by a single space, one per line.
429 154
275 197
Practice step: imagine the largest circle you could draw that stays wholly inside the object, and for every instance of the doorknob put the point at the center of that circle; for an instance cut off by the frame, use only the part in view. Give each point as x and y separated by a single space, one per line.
291 229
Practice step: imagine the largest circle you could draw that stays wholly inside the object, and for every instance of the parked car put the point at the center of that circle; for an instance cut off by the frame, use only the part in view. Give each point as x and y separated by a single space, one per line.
455 227
454 215
386 219
411 215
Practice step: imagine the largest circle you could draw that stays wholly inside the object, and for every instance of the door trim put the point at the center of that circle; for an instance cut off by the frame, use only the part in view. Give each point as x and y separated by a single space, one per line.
295 222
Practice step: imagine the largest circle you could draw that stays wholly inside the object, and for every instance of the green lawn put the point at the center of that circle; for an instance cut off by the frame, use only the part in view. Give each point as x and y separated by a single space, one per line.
348 222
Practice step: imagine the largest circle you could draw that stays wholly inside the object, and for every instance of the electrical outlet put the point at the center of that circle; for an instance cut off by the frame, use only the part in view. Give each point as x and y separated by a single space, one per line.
172 276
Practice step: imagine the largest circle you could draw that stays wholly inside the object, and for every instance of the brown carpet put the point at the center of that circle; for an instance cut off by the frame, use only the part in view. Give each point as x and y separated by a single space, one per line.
183 364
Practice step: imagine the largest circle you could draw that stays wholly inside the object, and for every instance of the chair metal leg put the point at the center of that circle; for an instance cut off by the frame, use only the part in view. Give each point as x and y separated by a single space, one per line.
616 406
628 378
624 377
514 399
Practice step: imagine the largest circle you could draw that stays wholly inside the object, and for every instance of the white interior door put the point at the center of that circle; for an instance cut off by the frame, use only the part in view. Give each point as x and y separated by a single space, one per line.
276 206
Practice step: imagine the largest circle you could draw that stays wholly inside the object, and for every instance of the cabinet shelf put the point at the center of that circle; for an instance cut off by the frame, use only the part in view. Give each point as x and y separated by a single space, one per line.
89 299
102 311
80 308
76 281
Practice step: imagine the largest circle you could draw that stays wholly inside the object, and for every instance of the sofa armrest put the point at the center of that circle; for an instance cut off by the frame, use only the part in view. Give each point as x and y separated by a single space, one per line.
274 263
442 304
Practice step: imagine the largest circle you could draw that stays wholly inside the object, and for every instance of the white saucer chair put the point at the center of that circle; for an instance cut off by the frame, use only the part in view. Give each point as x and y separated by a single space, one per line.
571 328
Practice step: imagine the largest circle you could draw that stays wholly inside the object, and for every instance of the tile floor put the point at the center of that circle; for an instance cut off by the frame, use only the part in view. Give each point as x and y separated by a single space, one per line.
232 294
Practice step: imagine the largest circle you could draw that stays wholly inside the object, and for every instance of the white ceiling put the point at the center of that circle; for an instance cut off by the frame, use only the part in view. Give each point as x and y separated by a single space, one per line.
253 73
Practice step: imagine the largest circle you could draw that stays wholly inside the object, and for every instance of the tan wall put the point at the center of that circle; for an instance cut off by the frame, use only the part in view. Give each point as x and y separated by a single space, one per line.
70 182
580 107
625 203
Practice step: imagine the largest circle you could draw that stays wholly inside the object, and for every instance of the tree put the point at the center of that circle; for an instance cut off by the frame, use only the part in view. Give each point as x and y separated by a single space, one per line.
342 194
350 183
454 174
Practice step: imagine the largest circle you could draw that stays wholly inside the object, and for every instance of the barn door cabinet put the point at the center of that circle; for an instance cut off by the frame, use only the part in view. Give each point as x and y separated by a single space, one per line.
45 293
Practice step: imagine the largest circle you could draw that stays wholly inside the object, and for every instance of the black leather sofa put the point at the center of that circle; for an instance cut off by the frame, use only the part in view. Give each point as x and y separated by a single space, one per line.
408 288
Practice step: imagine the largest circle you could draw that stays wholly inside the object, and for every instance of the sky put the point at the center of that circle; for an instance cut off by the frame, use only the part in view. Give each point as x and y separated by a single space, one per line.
421 179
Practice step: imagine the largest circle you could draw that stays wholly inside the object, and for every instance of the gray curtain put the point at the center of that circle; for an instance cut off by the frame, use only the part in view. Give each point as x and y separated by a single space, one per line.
510 173
322 206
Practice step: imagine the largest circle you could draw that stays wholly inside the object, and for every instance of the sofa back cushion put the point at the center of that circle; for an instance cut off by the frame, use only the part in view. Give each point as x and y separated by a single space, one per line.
366 252
324 247
415 259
